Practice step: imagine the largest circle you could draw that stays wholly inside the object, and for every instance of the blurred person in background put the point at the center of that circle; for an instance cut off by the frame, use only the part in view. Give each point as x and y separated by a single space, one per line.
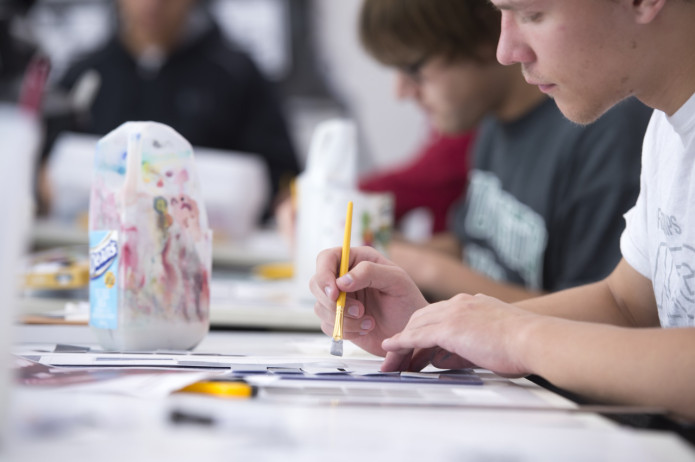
24 70
430 182
544 203
17 48
168 62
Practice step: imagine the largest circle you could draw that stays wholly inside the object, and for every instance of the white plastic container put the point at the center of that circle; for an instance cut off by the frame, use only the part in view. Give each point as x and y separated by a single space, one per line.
150 246
324 189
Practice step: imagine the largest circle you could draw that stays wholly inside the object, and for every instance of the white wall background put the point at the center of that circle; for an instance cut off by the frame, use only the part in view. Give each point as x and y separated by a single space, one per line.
391 130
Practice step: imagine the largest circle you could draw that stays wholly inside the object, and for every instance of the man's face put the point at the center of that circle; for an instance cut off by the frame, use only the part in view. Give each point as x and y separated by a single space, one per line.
577 51
157 22
455 96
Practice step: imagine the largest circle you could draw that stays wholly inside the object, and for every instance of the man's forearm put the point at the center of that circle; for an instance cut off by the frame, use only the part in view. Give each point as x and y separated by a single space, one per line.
586 303
625 298
454 278
639 366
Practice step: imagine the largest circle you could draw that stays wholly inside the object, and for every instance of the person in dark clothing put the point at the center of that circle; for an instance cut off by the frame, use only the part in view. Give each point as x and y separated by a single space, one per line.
15 52
168 62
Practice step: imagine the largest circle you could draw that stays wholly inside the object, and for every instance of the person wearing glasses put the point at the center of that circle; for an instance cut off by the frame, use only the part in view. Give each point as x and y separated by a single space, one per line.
544 204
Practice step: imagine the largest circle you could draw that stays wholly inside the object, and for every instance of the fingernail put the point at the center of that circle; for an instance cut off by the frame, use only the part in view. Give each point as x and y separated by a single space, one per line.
353 311
366 324
345 280
328 290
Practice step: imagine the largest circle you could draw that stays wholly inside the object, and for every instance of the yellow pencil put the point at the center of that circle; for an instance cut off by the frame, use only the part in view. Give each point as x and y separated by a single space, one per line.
337 344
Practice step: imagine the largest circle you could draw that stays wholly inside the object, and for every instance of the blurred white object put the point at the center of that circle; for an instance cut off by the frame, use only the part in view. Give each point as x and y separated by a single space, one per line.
235 186
236 189
70 170
332 160
21 135
85 91
417 225
324 189
262 28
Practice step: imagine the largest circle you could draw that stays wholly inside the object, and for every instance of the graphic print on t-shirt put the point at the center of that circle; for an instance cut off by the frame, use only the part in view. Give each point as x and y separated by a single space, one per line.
511 237
674 284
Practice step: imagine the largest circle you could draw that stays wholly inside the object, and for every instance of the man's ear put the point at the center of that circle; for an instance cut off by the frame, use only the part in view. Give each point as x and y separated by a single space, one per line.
647 10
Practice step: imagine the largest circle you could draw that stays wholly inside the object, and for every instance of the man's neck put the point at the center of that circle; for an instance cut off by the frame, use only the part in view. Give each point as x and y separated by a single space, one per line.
675 87
137 46
668 63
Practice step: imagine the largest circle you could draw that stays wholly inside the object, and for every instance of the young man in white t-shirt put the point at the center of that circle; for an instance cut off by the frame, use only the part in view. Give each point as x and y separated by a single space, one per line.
607 340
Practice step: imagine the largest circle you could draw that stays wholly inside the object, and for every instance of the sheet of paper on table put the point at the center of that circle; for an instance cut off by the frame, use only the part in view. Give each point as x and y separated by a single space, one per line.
303 378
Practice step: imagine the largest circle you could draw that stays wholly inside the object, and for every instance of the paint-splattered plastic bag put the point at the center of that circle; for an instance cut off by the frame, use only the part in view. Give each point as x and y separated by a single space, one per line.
150 246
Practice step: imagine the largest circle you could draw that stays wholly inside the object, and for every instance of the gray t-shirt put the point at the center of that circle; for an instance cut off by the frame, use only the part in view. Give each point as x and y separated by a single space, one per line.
546 196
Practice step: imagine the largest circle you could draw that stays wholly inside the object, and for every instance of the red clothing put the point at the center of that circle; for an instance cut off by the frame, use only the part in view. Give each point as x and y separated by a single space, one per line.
435 179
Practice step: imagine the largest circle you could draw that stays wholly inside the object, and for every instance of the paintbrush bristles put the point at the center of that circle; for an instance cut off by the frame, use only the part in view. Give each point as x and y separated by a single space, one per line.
337 347
337 344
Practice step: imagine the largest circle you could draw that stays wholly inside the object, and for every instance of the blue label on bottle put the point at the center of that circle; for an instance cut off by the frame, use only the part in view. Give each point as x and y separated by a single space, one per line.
103 283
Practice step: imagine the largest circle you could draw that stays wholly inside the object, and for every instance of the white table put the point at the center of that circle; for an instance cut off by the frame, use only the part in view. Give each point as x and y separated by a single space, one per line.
65 425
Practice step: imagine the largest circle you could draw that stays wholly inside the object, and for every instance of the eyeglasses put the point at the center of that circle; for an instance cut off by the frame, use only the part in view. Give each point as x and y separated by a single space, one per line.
413 71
